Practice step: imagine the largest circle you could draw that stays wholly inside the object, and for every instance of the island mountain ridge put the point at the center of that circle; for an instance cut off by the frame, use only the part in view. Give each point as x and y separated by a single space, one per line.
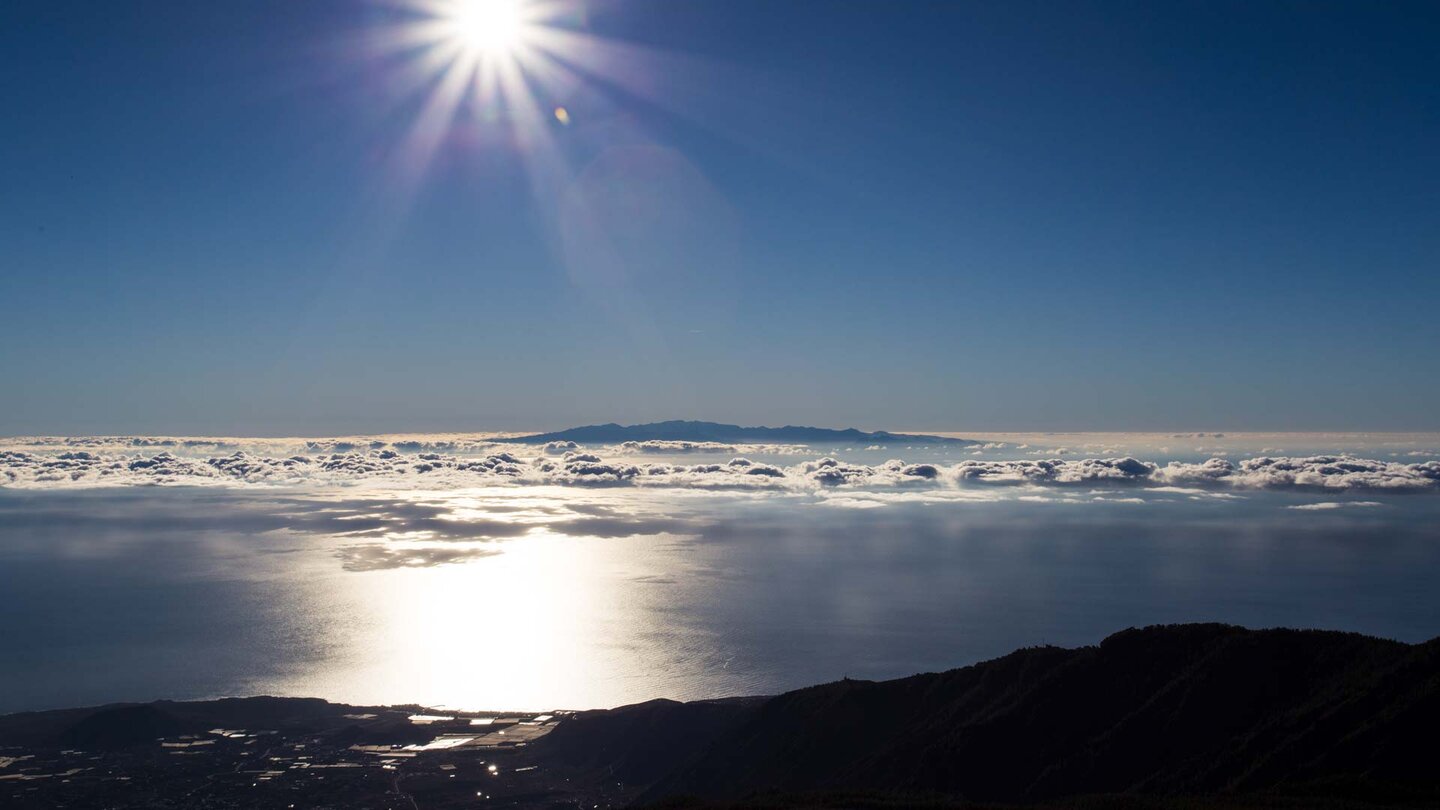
696 431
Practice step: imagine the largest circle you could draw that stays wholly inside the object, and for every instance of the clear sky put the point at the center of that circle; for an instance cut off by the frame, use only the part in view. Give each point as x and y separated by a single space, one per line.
301 216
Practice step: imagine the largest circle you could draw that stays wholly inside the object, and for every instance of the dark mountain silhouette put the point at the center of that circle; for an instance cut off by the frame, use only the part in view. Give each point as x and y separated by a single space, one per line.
1185 717
1163 711
125 724
714 432
642 743
122 726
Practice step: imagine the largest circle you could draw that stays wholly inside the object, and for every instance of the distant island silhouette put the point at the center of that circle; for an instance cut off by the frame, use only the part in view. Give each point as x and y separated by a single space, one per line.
693 431
1180 717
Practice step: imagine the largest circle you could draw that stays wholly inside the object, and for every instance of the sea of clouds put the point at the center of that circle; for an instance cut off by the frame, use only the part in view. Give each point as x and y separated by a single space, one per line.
443 462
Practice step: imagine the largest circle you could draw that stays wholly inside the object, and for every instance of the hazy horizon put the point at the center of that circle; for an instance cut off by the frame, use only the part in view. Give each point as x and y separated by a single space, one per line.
522 428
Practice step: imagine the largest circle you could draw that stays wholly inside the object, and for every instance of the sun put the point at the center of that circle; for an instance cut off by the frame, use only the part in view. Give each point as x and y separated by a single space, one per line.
490 27
483 68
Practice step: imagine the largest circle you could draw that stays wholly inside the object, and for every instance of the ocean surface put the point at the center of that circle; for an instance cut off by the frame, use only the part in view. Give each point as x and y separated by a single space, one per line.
424 570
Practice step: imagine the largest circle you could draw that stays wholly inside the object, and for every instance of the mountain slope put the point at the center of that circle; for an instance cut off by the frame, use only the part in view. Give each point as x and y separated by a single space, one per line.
1192 709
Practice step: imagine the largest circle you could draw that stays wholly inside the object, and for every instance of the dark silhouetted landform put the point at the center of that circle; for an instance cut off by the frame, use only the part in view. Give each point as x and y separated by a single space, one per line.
1185 716
1197 710
687 431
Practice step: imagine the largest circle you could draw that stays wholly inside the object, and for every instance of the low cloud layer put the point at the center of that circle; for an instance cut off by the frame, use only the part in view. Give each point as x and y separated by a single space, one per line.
470 462
365 530
667 447
1326 506
1319 473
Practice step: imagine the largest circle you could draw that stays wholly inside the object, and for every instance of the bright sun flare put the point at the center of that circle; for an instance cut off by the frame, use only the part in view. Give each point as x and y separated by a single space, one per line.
489 26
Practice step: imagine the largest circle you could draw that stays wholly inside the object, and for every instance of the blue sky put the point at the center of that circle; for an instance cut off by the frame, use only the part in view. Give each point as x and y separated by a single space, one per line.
948 216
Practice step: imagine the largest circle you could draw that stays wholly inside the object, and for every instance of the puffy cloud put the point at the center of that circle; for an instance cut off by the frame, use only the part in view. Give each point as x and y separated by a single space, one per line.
464 446
254 469
831 472
926 471
1309 473
737 474
1057 471
668 447
584 469
1329 505
384 556
81 464
663 446
1210 471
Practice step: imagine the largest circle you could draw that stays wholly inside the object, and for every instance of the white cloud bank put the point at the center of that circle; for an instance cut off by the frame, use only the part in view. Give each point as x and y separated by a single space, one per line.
449 462
1326 506
1324 473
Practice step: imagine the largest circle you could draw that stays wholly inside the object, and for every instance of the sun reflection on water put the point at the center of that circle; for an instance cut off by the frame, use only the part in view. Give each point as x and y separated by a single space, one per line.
549 623
544 597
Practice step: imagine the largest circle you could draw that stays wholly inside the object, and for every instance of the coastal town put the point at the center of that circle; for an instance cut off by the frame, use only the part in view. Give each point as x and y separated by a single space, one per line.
400 759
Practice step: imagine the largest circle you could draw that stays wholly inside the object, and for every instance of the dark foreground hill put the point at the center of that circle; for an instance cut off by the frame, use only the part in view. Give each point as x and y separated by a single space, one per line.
684 431
1192 710
123 725
1189 717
